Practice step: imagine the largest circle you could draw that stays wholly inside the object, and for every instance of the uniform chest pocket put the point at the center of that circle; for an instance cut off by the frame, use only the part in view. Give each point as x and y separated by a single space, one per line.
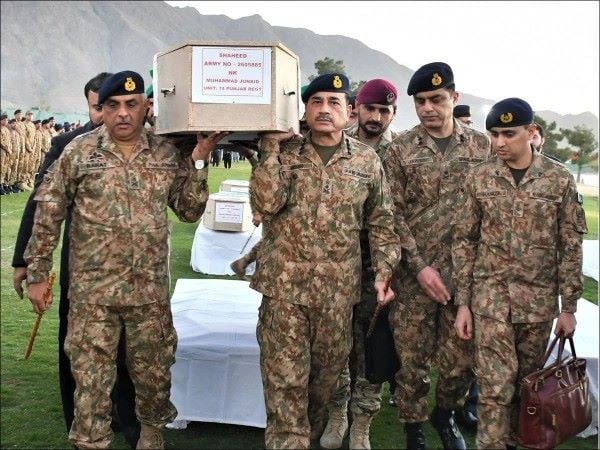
299 182
542 208
496 212
422 179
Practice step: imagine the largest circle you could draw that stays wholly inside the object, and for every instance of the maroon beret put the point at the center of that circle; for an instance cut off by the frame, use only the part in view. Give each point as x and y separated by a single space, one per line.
379 91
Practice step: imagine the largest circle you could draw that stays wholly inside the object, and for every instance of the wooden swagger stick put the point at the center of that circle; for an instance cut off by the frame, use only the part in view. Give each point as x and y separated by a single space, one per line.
36 325
374 319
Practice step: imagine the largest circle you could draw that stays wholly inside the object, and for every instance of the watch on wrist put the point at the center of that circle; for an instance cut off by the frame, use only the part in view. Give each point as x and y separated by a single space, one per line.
200 164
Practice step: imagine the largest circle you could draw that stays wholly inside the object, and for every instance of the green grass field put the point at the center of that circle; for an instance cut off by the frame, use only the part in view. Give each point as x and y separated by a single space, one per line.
31 414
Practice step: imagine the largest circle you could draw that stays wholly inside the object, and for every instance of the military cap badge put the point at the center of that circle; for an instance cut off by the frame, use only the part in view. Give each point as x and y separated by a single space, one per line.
436 80
390 97
337 82
129 84
506 118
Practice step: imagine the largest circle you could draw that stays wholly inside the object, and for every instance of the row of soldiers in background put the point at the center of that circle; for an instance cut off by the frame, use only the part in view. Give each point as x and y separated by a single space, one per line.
24 143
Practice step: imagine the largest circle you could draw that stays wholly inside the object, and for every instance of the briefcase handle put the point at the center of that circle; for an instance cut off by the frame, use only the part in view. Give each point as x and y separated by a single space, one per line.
561 346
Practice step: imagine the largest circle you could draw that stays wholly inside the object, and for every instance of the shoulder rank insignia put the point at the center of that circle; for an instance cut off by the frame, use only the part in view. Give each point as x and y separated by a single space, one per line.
436 80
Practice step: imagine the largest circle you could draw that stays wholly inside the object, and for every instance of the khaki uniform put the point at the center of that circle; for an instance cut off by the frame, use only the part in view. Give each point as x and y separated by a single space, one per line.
365 398
5 154
427 188
16 157
23 153
119 268
30 159
38 142
309 269
516 248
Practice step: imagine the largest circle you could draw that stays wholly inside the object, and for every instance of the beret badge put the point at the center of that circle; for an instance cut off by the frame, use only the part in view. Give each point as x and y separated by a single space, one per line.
436 80
390 97
337 82
129 84
506 118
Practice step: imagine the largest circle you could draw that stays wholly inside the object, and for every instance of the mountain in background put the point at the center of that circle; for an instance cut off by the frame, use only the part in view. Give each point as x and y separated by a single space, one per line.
51 48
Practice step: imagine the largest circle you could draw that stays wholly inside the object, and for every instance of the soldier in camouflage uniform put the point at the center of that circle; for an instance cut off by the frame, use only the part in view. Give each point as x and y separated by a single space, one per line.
517 246
17 155
23 151
426 167
30 147
318 191
376 109
119 181
5 152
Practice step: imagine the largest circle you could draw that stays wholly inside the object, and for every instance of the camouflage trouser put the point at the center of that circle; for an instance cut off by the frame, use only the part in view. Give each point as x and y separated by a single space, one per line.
91 345
366 396
302 352
4 166
424 333
14 165
504 354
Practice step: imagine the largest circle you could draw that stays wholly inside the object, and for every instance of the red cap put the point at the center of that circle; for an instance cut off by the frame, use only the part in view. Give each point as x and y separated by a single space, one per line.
379 91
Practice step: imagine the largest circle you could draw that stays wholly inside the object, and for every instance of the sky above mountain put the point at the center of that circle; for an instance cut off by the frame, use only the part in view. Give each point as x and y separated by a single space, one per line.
543 51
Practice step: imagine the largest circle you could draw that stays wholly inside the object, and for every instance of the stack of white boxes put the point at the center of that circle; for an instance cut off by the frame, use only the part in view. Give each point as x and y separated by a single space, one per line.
229 209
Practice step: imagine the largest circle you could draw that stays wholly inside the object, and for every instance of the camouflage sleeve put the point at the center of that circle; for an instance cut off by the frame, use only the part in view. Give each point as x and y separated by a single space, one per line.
383 241
269 187
465 240
397 182
53 197
571 227
189 191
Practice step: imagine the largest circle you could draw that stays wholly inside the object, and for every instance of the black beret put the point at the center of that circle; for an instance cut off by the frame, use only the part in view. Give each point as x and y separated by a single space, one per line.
510 112
432 76
17 111
35 122
328 82
122 83
45 121
462 111
3 116
12 121
50 118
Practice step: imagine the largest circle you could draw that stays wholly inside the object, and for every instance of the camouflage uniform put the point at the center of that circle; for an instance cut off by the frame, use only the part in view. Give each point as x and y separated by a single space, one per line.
23 153
5 154
119 268
366 396
515 249
309 273
38 142
426 186
30 158
17 156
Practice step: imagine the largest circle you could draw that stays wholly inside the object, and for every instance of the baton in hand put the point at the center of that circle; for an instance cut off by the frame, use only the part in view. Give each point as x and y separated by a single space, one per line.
248 240
36 324
374 319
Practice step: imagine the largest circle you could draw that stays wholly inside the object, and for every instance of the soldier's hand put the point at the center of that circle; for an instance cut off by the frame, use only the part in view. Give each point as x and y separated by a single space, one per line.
385 294
464 323
206 144
431 282
565 324
36 293
280 136
19 275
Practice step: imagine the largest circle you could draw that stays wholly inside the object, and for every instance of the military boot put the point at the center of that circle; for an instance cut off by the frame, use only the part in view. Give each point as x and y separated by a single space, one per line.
239 267
443 421
359 432
336 428
415 439
150 438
